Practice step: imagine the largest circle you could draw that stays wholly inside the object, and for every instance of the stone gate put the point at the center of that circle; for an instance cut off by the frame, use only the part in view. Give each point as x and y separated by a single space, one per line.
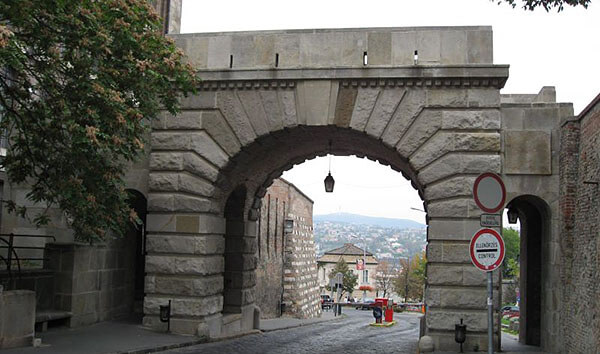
425 101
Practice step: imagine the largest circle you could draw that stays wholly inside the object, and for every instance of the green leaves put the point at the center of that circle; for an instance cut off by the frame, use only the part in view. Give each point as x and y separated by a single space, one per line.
547 4
512 243
413 273
349 280
81 80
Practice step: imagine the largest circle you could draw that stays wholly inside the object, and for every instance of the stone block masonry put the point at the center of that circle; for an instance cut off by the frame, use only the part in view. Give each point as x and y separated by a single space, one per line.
94 283
437 124
17 318
284 285
580 240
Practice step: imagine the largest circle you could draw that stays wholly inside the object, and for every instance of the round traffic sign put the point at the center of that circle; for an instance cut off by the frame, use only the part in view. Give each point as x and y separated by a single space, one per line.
487 250
489 192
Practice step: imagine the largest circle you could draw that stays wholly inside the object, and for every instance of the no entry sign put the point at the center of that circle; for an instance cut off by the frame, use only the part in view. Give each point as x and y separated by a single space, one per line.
489 192
487 250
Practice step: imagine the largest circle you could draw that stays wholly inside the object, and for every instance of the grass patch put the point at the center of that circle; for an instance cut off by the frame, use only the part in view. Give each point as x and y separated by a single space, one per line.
506 321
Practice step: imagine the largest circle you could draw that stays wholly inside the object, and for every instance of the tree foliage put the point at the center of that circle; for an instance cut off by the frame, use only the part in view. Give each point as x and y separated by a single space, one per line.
512 246
413 271
349 278
80 81
546 4
385 277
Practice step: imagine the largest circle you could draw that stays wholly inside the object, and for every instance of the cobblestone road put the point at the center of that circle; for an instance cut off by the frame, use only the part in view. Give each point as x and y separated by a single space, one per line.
349 335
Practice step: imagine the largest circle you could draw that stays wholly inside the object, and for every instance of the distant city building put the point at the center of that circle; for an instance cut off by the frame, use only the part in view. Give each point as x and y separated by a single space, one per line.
353 256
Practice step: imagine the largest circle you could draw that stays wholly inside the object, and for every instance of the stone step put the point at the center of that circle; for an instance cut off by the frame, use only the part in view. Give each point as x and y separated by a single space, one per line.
45 316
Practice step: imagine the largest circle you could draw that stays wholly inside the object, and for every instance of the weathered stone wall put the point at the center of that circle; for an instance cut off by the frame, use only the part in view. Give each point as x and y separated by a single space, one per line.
286 269
531 137
17 318
170 12
328 48
269 270
580 240
301 290
94 283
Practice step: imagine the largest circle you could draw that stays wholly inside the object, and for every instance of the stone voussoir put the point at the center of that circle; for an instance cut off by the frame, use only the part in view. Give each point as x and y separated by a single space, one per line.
471 119
444 142
449 208
452 187
166 161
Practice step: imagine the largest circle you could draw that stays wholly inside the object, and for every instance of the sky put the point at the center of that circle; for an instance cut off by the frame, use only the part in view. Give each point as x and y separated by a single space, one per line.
542 49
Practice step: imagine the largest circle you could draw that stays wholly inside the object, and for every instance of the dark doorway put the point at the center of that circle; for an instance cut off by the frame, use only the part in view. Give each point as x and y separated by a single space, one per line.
137 237
234 261
533 215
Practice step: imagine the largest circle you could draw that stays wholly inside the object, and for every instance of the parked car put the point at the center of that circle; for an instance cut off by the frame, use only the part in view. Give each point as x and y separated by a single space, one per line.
326 301
510 311
368 304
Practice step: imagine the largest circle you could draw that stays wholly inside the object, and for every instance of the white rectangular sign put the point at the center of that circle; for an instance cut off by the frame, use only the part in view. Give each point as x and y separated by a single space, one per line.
491 220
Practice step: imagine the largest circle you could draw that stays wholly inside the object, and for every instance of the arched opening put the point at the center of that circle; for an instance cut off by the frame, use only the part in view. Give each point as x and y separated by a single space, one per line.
265 159
533 214
234 258
365 219
251 172
136 240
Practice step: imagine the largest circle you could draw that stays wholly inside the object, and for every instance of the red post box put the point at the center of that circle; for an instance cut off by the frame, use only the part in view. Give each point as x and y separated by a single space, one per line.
389 312
384 302
386 306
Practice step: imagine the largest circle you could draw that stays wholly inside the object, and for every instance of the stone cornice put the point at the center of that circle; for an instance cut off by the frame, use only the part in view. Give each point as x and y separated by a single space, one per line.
429 76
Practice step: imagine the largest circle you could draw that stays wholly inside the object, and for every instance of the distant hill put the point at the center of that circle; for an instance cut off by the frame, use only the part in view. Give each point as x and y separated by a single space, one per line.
369 220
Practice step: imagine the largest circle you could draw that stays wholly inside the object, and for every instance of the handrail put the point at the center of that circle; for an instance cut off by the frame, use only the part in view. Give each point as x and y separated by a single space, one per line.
29 235
12 251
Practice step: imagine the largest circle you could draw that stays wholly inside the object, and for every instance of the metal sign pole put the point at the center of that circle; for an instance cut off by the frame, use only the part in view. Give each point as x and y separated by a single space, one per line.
489 194
490 313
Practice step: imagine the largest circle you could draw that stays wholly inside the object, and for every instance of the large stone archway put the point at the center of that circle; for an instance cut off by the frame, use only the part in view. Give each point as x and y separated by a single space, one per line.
270 100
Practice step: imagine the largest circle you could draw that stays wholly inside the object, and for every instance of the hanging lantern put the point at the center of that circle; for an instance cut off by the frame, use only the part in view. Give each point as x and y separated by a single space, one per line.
329 183
513 215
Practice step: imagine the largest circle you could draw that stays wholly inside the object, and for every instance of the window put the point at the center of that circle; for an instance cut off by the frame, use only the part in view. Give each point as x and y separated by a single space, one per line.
366 280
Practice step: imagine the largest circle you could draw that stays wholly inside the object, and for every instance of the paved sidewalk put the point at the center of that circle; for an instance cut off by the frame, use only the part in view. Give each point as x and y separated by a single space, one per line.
105 337
128 336
291 322
510 345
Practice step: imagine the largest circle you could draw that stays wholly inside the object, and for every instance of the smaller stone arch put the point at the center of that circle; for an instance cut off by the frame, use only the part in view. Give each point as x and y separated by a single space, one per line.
535 215
235 265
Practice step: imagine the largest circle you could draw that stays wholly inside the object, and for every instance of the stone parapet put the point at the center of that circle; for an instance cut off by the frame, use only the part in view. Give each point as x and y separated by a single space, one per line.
338 48
17 318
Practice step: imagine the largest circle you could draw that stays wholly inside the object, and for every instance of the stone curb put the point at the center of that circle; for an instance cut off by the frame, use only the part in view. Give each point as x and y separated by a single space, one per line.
386 324
304 324
233 336
161 347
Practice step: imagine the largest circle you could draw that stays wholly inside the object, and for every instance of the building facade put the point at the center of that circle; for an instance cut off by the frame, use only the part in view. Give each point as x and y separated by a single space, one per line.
355 258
